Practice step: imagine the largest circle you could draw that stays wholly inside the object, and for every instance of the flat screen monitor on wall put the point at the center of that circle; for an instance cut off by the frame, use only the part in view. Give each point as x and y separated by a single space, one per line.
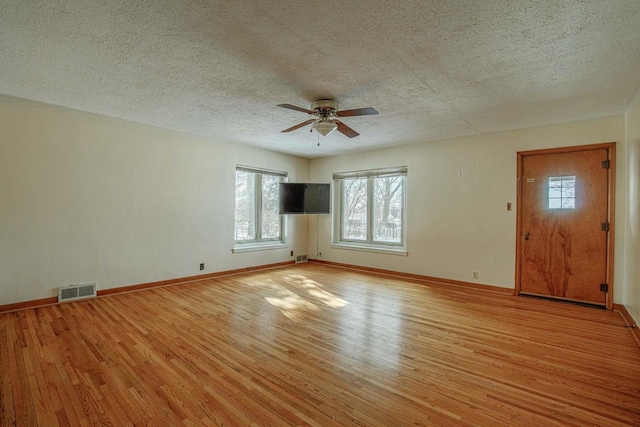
304 198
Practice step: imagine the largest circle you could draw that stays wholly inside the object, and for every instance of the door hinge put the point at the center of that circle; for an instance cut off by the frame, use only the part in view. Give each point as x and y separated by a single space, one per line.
606 164
604 287
604 226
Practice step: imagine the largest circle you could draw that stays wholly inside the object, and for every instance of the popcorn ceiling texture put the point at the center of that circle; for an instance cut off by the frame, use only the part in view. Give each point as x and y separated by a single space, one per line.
433 69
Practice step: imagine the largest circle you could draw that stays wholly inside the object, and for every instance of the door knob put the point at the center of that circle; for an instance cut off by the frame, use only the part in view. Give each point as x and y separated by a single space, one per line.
526 235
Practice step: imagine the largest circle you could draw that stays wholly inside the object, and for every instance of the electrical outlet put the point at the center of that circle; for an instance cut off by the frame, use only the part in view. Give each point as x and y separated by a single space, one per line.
319 254
291 253
508 206
475 274
202 266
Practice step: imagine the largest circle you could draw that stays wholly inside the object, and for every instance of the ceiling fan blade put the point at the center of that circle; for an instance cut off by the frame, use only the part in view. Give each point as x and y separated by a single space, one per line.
346 130
293 107
300 125
369 111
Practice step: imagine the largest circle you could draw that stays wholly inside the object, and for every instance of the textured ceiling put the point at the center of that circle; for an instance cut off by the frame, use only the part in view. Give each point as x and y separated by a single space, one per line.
433 69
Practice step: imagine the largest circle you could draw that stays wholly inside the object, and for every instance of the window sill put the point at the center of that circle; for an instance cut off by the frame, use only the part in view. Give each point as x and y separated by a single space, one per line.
253 247
392 250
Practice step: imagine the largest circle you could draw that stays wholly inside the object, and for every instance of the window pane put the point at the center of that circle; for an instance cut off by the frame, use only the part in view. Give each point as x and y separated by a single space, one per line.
568 203
562 192
270 216
568 187
387 209
354 209
245 227
555 192
555 181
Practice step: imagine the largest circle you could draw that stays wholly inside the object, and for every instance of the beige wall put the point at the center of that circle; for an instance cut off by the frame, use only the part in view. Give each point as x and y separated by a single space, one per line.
87 198
632 234
457 195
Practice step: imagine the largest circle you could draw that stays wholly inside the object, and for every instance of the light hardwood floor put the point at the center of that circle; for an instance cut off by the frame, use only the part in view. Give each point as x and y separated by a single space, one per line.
317 345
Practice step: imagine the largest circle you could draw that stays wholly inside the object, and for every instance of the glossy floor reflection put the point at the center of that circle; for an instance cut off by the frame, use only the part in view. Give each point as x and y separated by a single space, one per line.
317 345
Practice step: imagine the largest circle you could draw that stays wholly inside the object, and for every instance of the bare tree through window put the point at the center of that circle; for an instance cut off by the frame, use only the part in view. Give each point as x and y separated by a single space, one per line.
372 208
387 211
270 199
355 212
245 206
257 215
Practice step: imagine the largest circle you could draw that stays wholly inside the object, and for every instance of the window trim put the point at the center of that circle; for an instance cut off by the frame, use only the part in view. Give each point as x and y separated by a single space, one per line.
392 250
261 246
258 243
369 244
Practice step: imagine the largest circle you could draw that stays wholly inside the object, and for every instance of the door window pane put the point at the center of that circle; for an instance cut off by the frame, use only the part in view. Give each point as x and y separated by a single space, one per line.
562 192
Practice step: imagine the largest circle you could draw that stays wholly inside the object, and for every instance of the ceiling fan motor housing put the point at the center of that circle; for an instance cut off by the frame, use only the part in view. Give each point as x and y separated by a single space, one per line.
325 107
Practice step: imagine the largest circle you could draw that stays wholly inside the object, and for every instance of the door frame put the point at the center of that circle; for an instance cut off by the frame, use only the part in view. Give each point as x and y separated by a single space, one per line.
611 178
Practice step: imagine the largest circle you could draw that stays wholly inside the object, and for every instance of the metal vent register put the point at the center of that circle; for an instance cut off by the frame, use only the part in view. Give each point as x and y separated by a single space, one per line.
74 292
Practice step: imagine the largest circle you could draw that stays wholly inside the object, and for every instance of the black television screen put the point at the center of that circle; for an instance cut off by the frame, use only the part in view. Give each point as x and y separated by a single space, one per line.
304 198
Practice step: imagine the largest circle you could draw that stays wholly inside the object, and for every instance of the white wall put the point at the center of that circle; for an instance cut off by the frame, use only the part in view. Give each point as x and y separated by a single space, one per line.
87 198
632 234
459 224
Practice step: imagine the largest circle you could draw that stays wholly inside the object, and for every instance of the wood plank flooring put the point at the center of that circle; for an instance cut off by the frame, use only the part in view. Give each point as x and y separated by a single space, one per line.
321 346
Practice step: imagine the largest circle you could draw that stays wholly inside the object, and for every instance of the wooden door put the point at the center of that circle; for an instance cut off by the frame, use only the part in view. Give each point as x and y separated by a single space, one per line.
565 224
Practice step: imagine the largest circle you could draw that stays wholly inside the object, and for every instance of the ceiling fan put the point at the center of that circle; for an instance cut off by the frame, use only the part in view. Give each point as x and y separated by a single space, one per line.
326 111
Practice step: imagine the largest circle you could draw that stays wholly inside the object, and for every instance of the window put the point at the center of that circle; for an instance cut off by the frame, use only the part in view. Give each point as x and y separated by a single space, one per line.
257 219
371 211
562 192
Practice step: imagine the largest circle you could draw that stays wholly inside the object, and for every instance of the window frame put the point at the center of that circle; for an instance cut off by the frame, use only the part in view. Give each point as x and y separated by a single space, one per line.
369 243
259 242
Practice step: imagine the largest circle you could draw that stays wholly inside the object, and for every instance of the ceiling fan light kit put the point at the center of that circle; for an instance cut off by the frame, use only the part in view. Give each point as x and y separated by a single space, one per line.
325 128
326 111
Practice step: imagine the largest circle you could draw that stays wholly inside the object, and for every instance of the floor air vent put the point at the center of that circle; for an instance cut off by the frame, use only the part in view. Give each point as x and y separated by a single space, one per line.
301 258
73 292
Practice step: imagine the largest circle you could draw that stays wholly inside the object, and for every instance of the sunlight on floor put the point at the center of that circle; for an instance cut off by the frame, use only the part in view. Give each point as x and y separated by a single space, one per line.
371 328
314 289
292 304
